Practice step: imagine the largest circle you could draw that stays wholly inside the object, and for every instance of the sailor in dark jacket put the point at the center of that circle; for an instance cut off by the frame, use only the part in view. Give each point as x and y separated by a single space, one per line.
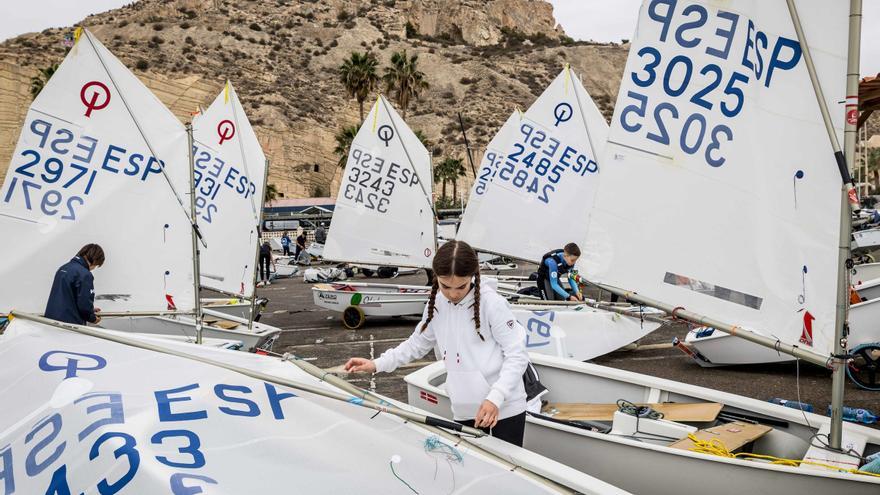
72 299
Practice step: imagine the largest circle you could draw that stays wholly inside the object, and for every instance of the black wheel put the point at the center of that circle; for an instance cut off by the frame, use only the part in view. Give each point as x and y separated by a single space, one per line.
864 368
353 317
367 272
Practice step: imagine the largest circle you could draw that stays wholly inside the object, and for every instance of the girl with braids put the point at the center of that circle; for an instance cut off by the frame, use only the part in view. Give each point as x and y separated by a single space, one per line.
480 341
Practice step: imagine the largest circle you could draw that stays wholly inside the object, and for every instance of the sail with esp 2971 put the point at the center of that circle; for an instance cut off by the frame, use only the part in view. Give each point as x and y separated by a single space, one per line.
97 151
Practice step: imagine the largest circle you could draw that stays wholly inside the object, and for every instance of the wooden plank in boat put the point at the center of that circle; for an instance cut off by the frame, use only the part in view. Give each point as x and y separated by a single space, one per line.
732 435
673 411
224 324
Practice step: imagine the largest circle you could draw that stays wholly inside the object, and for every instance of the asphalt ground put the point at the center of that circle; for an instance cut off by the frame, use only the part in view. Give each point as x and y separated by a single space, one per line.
318 335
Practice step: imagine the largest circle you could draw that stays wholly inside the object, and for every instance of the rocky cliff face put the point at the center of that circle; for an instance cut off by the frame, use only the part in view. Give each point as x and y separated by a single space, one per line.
481 58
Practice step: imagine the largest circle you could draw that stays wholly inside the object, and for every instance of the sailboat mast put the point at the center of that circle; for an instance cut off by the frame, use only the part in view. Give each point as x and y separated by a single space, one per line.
845 261
431 200
195 233
253 311
847 196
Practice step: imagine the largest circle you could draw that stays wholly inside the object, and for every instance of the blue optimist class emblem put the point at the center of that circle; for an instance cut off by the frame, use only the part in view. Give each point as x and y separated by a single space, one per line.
563 113
71 362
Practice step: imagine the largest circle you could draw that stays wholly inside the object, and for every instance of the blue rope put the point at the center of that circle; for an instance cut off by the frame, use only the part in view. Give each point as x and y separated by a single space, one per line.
434 444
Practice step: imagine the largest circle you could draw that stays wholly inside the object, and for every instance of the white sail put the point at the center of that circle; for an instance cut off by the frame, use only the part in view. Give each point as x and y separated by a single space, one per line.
229 171
383 212
86 169
542 185
474 224
719 189
83 414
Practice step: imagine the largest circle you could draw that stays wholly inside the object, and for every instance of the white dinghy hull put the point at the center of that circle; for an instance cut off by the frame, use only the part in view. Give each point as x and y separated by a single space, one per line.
869 289
578 332
866 240
863 273
373 299
262 336
722 349
642 467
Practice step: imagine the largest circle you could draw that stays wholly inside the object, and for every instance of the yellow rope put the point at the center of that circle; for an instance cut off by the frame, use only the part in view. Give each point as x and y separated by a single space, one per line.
717 447
376 113
567 77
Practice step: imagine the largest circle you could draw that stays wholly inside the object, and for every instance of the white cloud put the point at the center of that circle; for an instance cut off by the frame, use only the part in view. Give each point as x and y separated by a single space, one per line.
30 16
604 20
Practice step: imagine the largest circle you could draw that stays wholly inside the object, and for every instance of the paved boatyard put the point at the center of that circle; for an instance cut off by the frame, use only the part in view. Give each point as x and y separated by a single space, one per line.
319 336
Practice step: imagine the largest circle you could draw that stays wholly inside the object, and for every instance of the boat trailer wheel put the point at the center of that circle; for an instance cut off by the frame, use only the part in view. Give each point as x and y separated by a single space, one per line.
353 317
864 368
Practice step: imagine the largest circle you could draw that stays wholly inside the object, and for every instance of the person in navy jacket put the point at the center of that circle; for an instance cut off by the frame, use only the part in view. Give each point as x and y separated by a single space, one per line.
72 298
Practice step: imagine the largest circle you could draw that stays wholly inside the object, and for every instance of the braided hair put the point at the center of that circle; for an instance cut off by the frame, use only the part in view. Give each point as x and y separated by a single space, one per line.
455 258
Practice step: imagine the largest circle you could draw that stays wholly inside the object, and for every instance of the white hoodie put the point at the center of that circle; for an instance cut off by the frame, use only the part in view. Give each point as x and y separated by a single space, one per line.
476 370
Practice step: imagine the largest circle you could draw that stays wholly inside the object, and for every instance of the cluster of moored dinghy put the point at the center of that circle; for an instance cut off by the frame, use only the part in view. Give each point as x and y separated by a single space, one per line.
717 128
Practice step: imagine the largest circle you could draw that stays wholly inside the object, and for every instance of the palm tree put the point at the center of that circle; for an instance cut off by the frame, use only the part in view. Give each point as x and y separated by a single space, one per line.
404 79
423 138
358 75
42 77
343 143
449 169
271 193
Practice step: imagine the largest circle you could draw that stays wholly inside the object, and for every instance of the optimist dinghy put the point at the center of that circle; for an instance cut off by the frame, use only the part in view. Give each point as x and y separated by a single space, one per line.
383 216
677 139
97 106
541 170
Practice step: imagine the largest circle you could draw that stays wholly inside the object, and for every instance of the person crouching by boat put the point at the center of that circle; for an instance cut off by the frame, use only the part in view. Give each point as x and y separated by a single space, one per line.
480 341
555 264
72 298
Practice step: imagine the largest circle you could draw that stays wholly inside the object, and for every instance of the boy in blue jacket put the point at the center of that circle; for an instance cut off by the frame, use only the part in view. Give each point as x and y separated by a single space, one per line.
555 264
72 298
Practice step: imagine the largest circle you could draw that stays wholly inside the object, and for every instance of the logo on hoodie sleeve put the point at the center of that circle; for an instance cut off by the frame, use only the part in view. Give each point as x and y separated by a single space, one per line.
511 323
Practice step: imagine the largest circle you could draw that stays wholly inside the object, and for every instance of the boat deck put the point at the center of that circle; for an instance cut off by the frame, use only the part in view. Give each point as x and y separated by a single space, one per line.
318 335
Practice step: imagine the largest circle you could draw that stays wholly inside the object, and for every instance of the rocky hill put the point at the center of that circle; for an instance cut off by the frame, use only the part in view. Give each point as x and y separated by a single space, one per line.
480 57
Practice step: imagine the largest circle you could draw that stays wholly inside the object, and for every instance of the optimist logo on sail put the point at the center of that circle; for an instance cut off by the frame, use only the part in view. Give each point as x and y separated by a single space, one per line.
52 361
385 133
91 102
563 113
226 130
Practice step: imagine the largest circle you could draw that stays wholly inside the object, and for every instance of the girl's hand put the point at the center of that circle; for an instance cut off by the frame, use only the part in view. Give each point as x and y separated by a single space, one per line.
360 365
487 416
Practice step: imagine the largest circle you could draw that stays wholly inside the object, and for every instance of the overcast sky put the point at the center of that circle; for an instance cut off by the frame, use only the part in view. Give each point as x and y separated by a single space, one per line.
613 20
599 20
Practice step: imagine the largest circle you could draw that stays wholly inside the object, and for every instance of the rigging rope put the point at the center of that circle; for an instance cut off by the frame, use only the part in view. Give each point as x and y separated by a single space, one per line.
717 447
